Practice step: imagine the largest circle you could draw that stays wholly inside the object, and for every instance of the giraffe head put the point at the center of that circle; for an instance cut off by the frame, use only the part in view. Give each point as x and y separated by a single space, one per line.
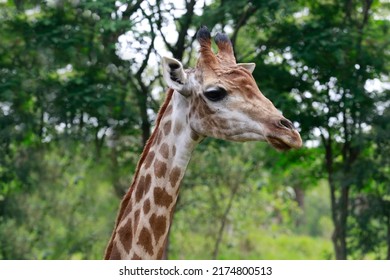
223 99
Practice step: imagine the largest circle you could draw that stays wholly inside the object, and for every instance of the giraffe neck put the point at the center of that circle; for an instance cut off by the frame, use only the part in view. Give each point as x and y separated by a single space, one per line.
147 209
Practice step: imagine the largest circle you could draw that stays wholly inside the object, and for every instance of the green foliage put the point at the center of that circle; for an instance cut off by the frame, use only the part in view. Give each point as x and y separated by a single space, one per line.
255 244
263 216
64 215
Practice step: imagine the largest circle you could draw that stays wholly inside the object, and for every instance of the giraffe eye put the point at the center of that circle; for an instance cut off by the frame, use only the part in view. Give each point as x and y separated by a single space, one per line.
215 94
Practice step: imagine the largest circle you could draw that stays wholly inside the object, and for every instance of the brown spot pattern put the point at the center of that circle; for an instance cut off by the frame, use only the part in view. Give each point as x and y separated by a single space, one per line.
136 257
159 137
145 240
173 150
142 187
149 159
162 198
160 253
126 235
129 199
164 150
158 225
167 127
160 168
128 209
178 128
148 181
146 206
115 254
174 176
139 190
136 219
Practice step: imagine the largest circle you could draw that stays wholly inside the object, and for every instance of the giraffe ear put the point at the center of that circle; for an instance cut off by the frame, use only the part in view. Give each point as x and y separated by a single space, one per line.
248 66
174 74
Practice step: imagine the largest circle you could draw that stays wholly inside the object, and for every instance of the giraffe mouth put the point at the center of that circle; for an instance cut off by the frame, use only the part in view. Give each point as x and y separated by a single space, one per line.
278 143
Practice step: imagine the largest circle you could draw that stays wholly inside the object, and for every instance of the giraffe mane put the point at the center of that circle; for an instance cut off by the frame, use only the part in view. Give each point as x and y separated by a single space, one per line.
148 144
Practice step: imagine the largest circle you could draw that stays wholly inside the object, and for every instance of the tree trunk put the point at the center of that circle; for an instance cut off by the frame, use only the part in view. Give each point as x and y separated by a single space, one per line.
339 236
300 199
339 206
223 222
145 123
299 196
388 231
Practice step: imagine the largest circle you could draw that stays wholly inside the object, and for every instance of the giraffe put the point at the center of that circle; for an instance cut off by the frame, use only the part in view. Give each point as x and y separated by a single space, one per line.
218 98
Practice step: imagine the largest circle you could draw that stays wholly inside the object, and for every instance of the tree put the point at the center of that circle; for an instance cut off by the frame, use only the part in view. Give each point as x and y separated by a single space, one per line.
62 83
370 208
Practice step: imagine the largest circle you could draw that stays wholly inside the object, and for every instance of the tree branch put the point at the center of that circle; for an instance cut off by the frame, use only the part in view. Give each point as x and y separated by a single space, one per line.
150 48
159 25
242 21
131 9
184 26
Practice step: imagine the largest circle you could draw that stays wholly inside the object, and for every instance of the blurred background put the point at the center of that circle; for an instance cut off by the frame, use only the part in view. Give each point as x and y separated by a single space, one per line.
80 86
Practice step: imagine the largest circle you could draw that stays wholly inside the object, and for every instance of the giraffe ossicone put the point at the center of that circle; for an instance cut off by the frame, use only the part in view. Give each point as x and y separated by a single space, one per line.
218 98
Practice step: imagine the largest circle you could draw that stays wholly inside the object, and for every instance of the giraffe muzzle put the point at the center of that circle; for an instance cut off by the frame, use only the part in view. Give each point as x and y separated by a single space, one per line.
285 123
285 136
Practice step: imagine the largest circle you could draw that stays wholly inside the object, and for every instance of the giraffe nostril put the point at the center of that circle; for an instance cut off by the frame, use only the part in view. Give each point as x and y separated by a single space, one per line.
285 123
